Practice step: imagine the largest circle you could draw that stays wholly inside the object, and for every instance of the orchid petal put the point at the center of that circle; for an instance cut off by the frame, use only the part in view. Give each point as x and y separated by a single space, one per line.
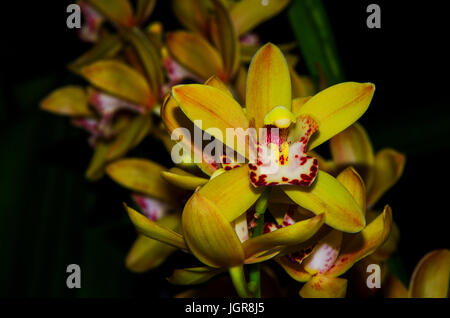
298 103
363 243
216 111
294 270
194 275
195 54
283 160
231 192
302 86
324 287
154 230
337 107
98 161
142 176
352 147
147 253
118 11
68 101
247 14
384 252
214 81
130 137
324 253
289 235
225 38
173 118
107 47
268 84
431 276
120 80
329 196
144 10
192 14
353 182
209 235
183 179
389 165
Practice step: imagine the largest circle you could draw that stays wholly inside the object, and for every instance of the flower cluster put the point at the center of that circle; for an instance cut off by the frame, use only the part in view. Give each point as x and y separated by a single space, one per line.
290 207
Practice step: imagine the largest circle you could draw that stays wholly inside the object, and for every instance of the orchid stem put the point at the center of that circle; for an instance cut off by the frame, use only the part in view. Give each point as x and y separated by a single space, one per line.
255 269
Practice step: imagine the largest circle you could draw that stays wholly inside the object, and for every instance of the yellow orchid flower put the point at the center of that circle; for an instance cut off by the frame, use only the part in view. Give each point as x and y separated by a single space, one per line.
126 81
430 278
268 86
320 261
206 230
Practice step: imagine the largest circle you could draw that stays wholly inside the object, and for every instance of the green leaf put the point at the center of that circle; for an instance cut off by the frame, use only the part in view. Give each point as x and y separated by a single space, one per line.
315 39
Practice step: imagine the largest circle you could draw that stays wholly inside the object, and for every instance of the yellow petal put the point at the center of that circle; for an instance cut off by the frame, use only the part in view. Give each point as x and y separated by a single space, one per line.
193 14
216 110
214 81
144 10
289 235
209 235
384 252
147 253
431 276
268 84
149 57
352 147
195 54
336 108
119 79
231 192
107 47
118 11
129 137
295 271
97 164
193 276
324 287
353 182
247 14
142 176
389 166
363 243
68 101
225 38
329 196
155 231
240 84
182 179
174 118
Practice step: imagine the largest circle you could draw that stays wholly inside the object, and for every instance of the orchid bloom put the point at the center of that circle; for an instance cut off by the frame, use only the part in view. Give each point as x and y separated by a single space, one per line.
430 278
320 261
201 222
116 109
269 104
159 202
120 89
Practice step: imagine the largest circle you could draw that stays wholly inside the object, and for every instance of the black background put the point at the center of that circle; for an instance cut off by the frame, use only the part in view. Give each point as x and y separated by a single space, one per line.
50 216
